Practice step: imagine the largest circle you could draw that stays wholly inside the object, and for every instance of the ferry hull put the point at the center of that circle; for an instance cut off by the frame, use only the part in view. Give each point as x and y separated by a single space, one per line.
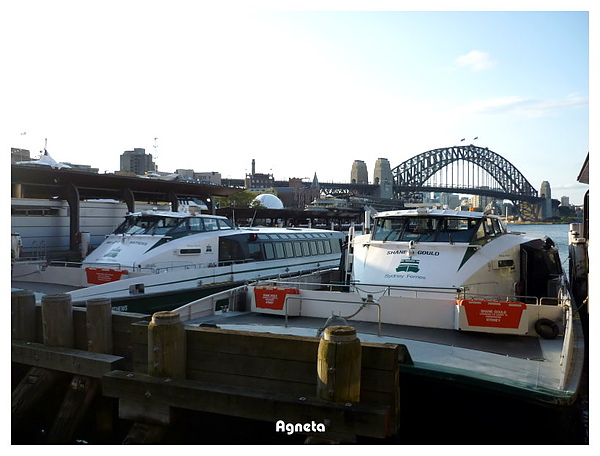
158 302
438 407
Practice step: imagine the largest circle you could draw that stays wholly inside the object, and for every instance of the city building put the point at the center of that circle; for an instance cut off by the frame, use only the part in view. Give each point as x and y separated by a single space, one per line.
546 192
137 161
17 155
450 200
258 181
206 177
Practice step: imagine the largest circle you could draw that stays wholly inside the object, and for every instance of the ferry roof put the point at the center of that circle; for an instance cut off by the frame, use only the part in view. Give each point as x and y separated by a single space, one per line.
174 214
422 211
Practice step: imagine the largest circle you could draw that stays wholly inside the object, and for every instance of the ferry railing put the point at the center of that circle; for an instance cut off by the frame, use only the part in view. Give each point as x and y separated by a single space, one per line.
531 300
66 264
207 305
37 252
363 288
116 266
363 305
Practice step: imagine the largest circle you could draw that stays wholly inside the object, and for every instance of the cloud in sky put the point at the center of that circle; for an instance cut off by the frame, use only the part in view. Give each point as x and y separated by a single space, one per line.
476 61
523 107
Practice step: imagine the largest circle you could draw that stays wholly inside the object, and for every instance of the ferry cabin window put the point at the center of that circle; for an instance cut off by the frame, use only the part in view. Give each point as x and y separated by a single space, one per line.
305 249
165 224
279 250
289 250
210 224
388 229
148 225
230 251
426 229
129 226
498 227
224 224
320 248
420 229
297 249
493 227
269 251
457 229
196 225
255 252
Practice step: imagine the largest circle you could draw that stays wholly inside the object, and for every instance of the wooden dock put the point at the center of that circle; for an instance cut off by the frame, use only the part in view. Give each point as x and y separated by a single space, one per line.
82 373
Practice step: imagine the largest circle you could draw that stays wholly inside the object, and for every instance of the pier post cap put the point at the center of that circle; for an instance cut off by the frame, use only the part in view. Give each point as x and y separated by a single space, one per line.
165 318
97 301
19 293
340 334
60 297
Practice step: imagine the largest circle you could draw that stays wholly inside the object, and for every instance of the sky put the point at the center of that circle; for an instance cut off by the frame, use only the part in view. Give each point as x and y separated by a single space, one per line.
301 87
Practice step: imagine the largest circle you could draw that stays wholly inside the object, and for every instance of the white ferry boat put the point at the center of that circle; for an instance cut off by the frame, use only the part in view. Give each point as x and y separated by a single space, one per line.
156 260
484 314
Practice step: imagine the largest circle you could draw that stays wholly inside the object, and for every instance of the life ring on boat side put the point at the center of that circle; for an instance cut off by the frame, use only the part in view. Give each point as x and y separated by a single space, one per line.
546 328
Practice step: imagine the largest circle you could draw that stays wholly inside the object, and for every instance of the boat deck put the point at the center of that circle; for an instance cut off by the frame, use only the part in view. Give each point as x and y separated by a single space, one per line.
42 288
526 360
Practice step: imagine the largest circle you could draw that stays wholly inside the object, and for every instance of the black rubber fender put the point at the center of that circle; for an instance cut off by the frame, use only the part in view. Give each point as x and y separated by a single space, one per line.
546 328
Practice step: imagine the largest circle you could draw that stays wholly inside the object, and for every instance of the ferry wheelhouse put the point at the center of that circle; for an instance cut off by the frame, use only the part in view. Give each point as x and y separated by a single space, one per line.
454 249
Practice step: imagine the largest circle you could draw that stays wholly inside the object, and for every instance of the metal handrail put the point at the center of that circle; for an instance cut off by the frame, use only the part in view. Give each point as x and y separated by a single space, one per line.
363 305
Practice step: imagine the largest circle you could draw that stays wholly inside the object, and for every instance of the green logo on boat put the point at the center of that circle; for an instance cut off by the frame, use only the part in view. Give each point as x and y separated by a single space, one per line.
408 266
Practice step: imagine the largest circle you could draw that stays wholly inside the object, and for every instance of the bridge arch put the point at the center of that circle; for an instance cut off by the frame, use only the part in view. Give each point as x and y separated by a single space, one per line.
418 171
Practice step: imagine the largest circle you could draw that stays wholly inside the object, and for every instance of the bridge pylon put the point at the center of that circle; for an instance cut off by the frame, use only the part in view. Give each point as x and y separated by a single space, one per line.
529 211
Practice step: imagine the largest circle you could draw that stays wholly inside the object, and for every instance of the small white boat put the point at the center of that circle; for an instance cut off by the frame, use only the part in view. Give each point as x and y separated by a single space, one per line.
156 260
484 313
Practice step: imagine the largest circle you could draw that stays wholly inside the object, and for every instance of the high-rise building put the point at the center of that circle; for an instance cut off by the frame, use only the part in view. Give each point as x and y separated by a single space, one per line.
137 161
546 192
359 174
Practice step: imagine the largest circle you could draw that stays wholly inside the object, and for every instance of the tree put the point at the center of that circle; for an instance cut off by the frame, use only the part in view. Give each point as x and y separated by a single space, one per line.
239 199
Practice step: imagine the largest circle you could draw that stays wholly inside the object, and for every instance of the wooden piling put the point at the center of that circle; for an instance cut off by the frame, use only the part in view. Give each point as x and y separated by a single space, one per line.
82 389
57 326
57 320
22 306
144 434
74 407
37 383
99 325
166 358
166 346
339 365
338 373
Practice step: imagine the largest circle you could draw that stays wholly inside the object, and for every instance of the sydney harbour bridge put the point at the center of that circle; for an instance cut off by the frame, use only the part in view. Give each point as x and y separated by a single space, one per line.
468 170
